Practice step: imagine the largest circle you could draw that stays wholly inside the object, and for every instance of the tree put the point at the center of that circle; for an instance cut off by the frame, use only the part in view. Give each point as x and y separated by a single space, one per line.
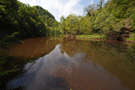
101 4
26 20
62 19
90 9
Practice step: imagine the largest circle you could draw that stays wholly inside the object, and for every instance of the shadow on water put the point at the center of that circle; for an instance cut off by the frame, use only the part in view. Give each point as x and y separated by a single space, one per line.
72 64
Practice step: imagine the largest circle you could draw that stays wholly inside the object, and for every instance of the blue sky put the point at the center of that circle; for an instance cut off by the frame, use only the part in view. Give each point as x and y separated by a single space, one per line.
62 7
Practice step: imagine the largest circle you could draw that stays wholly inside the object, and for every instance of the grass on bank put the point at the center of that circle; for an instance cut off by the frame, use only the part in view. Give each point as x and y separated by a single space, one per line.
91 36
131 38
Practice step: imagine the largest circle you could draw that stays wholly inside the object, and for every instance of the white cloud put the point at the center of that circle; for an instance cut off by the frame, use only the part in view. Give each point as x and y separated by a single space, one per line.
106 0
31 2
92 2
62 7
59 7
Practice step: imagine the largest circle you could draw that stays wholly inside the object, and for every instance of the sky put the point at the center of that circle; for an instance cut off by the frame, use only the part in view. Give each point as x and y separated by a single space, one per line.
62 7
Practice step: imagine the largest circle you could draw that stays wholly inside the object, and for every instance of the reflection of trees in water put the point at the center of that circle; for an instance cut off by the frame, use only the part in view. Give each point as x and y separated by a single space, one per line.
11 68
71 47
117 58
20 54
33 48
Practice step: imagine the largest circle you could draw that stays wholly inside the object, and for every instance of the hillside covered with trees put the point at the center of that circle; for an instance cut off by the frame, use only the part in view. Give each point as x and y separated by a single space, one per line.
21 21
115 19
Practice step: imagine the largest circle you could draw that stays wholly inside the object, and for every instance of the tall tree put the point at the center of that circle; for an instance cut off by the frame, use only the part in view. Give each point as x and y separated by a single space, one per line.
101 4
90 9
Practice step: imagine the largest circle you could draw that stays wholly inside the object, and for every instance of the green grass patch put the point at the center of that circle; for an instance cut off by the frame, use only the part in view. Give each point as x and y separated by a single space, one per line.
91 36
131 38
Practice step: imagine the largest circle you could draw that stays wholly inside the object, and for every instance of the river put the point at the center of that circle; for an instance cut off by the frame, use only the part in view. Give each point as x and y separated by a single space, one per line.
68 64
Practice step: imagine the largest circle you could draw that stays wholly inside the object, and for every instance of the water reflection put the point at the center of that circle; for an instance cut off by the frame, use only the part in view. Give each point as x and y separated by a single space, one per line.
80 65
116 58
33 48
41 76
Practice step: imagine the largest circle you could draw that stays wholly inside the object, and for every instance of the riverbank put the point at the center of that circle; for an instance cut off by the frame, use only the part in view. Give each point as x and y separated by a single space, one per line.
97 37
86 36
131 39
92 36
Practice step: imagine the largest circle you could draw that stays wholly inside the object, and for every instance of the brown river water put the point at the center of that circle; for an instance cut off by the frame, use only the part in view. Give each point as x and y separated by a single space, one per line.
55 63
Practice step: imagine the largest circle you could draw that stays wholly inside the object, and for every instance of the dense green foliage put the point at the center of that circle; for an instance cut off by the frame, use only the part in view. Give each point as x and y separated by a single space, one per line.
25 21
18 17
46 16
49 21
115 19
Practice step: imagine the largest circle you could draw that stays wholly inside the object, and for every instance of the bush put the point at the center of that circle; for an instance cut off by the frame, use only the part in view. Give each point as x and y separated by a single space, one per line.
9 39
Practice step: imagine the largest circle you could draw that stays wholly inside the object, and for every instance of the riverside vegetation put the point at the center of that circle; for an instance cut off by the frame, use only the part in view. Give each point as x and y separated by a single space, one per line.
115 19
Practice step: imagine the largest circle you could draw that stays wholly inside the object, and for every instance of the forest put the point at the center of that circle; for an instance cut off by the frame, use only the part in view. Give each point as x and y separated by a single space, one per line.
114 19
20 21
